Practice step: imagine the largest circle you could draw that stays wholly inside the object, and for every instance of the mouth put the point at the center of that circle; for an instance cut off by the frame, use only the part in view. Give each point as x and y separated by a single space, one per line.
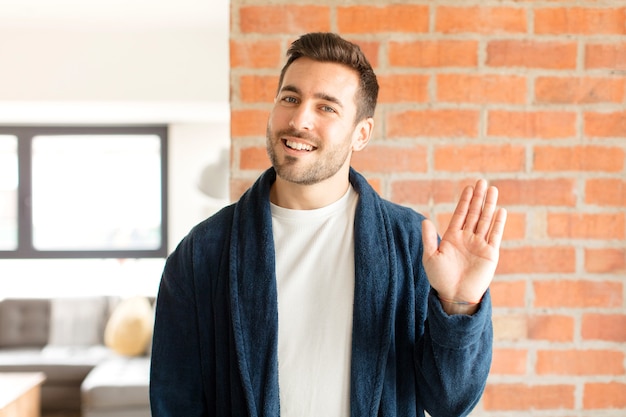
298 146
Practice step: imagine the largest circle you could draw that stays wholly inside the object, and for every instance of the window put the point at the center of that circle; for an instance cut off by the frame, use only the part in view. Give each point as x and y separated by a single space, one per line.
8 192
76 192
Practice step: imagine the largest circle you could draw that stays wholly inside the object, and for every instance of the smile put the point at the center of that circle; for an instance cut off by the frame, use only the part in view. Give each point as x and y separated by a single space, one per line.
298 146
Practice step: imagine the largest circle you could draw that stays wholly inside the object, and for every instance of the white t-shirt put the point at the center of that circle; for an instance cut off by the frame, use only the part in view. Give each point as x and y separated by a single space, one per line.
315 276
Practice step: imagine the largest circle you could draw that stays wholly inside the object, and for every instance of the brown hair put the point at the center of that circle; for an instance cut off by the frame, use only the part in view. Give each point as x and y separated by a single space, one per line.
330 47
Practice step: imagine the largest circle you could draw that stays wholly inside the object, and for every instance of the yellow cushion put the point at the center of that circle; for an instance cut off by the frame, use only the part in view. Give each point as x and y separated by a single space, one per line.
129 329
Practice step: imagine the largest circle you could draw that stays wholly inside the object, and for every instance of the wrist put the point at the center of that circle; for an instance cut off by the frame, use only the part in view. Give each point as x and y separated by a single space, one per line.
454 306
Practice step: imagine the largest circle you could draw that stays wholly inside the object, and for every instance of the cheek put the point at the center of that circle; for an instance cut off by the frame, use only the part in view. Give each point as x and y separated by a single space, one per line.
272 120
279 116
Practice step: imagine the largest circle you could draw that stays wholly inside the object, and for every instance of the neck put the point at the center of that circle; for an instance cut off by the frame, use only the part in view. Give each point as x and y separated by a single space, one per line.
308 197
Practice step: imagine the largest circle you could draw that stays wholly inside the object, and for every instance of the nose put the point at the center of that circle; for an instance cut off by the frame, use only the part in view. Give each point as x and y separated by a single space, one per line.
301 118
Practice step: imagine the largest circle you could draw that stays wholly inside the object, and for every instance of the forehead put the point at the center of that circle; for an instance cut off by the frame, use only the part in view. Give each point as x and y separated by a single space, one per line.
315 77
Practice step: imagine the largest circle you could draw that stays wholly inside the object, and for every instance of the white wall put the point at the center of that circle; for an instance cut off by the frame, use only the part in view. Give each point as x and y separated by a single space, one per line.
197 151
169 74
170 65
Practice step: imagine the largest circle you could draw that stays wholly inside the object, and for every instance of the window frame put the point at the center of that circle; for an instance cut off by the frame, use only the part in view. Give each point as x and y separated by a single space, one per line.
25 248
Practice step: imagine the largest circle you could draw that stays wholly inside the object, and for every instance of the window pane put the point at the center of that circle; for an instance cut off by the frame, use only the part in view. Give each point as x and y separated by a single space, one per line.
8 192
96 192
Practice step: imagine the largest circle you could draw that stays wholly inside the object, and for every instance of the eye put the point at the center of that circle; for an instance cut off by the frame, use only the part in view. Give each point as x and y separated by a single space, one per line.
328 109
290 100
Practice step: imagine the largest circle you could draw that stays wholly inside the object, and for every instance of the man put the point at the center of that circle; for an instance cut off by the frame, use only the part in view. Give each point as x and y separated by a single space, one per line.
312 296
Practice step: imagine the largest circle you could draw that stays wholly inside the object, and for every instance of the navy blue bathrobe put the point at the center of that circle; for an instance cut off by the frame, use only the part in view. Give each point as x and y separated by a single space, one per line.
215 338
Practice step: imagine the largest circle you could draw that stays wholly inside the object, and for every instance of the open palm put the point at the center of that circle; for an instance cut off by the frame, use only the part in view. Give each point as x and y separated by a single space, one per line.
461 267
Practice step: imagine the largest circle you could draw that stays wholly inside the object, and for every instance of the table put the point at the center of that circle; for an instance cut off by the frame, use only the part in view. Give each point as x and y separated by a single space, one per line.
20 394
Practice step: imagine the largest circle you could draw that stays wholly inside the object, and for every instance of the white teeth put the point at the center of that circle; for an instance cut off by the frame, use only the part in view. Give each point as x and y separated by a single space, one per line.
299 146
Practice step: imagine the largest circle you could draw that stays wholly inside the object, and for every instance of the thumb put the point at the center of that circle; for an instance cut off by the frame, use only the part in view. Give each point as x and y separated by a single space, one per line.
429 238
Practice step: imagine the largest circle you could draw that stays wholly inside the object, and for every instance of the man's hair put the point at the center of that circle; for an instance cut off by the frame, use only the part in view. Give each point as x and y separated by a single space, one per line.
330 47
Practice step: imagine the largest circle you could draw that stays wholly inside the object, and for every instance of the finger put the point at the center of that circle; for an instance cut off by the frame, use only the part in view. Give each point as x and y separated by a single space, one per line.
429 238
497 228
476 206
486 216
460 212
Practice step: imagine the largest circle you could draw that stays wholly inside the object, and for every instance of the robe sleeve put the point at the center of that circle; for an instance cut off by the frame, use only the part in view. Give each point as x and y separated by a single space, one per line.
454 358
176 384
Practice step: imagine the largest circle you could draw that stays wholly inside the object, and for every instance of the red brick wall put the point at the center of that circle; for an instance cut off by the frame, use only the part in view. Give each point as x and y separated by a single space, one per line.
532 96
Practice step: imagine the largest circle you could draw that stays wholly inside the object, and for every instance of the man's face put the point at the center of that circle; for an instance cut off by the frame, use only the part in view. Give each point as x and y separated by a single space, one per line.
312 132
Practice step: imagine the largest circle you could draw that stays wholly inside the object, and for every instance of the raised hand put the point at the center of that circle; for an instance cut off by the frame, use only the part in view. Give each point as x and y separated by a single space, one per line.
462 266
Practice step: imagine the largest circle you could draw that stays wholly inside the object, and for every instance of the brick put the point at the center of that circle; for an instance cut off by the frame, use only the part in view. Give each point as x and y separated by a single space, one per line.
443 220
577 90
582 21
508 293
510 327
399 88
429 54
254 158
376 184
258 88
248 122
577 294
255 54
405 18
515 228
537 259
578 158
509 361
552 328
426 191
603 125
531 124
536 192
606 56
480 158
238 187
381 158
607 327
603 226
580 362
605 260
485 20
433 123
483 88
605 192
371 51
504 397
599 395
288 19
531 54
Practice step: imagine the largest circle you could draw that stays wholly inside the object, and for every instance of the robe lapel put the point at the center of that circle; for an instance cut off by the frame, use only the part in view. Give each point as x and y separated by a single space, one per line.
254 305
374 300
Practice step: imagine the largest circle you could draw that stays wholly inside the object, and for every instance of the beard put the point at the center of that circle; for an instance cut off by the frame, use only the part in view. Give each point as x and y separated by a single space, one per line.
293 169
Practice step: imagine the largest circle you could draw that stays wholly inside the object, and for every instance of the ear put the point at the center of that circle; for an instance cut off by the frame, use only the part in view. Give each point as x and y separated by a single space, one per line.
362 134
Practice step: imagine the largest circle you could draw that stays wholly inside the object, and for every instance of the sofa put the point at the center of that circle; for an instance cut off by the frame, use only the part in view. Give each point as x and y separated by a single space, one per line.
94 351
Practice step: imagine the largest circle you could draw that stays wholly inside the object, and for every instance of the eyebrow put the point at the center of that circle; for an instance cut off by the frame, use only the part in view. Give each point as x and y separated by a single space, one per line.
323 96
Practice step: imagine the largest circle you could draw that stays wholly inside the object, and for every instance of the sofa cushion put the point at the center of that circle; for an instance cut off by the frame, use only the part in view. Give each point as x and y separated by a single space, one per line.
129 329
121 382
24 322
78 321
60 364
